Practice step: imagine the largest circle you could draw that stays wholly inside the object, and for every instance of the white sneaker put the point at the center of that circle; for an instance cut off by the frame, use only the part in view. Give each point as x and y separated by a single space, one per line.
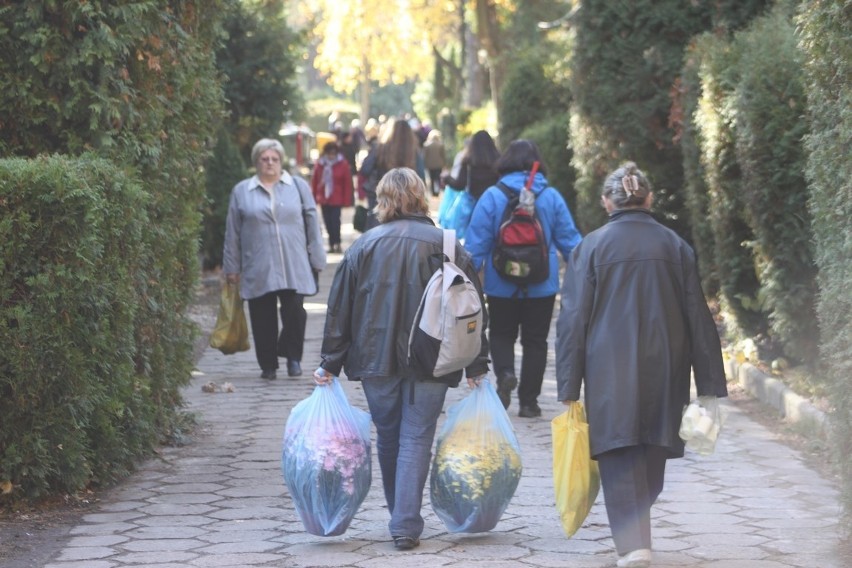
637 559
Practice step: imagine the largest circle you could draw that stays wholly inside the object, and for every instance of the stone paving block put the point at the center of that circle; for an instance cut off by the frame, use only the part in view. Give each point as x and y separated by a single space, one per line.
162 545
240 547
175 520
176 509
165 532
83 564
155 557
96 541
241 560
86 553
102 528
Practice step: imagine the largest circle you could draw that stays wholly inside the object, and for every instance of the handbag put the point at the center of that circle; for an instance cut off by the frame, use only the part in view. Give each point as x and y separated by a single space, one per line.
576 479
359 222
231 332
315 273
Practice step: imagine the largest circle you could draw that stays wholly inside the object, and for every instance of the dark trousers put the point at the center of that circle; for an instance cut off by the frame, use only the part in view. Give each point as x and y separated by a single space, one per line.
268 343
331 218
435 181
530 316
632 479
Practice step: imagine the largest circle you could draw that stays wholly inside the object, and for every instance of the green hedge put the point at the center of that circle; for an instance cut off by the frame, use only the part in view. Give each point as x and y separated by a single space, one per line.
552 138
695 191
825 39
74 409
770 101
135 83
626 58
716 118
225 170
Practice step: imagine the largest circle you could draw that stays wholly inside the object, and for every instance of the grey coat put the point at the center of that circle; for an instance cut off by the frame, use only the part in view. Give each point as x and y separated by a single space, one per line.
374 298
273 244
633 322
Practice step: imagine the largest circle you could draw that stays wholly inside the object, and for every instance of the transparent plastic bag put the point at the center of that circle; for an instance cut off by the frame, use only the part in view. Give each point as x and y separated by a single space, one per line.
700 425
326 459
576 479
477 463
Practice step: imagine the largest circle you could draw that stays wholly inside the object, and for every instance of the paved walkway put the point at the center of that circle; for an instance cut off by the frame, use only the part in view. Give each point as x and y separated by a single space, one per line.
221 500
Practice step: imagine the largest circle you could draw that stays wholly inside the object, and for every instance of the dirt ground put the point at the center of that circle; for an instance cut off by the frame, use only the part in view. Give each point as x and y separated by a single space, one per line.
31 535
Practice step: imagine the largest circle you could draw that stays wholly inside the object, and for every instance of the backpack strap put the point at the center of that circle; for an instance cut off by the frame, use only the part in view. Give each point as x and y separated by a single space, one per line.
450 244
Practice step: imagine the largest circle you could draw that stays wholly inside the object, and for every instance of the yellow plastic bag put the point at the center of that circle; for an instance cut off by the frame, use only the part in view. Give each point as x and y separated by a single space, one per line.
575 474
231 332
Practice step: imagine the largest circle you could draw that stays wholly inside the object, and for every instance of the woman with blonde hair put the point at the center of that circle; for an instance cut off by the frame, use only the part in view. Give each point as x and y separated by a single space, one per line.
371 306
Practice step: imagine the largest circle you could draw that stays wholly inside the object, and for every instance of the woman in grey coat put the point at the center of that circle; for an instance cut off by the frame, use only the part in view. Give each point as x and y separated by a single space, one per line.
633 323
273 248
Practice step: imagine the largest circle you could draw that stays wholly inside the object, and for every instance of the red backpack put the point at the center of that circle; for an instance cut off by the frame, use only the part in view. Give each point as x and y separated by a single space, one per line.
521 254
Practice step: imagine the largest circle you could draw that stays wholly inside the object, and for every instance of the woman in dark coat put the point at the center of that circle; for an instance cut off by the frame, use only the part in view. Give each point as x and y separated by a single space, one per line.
633 323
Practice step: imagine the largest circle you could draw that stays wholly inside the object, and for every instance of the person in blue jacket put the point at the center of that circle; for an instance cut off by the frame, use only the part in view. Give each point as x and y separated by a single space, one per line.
513 309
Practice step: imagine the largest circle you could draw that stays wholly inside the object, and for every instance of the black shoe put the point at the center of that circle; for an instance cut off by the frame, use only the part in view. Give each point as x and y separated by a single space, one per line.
294 369
270 375
405 542
505 386
531 410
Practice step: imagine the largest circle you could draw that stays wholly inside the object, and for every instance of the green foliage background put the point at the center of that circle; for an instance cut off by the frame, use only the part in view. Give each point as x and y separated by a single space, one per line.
826 40
133 82
74 408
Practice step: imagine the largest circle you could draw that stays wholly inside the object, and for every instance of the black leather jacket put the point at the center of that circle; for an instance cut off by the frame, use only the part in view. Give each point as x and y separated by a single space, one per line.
374 298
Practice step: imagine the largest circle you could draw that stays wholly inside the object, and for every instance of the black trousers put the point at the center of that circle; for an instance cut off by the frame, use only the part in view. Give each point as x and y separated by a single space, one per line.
331 218
632 479
531 317
268 343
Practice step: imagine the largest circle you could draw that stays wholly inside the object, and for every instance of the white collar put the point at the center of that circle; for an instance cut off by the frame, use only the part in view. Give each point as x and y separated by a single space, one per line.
286 179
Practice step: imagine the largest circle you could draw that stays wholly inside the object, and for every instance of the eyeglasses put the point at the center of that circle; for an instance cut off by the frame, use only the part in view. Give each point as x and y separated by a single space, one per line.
270 159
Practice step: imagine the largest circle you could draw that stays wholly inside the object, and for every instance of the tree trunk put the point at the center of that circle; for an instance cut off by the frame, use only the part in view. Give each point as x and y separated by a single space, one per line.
490 39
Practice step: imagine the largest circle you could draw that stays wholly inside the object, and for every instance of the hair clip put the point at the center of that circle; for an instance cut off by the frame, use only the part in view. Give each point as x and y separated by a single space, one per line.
630 184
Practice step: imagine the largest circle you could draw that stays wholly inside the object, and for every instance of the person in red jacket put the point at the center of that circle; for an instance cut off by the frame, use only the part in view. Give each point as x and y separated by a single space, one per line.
332 186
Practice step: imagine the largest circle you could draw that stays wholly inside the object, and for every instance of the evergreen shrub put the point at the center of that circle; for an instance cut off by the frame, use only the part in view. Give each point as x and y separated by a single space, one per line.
223 172
135 83
695 191
74 410
733 238
826 29
552 138
770 103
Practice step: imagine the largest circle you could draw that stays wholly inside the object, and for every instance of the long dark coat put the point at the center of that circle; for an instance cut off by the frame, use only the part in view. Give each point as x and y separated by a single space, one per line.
633 322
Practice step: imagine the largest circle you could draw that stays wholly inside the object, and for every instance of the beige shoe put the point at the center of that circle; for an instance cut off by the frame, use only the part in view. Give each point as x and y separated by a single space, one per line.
637 559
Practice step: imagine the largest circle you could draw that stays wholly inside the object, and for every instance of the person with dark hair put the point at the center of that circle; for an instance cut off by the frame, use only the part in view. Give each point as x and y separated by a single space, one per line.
398 147
477 172
332 187
633 324
272 248
372 304
514 309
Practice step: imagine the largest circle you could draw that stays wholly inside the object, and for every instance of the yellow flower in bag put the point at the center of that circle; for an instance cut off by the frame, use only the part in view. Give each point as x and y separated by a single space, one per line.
575 474
231 332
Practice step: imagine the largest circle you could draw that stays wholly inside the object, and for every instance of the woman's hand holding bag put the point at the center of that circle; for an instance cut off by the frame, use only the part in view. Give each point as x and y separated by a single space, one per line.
575 474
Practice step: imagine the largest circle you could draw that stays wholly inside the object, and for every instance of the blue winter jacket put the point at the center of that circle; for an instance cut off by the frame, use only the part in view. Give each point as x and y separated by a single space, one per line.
559 230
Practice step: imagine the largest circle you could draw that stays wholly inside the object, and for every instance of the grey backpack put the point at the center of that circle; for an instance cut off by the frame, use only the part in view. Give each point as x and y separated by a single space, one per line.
446 334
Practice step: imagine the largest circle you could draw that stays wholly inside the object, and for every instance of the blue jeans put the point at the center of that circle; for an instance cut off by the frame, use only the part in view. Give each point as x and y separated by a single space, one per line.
405 432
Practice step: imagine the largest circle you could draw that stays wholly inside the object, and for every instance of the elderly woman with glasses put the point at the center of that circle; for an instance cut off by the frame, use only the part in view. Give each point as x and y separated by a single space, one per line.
273 249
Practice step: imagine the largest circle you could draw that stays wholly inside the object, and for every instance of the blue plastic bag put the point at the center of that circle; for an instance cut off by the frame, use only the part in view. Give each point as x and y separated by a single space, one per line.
459 214
448 199
326 459
477 463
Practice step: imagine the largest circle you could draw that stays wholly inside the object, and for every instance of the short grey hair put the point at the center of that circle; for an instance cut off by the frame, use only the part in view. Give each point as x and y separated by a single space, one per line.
400 192
627 186
265 144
